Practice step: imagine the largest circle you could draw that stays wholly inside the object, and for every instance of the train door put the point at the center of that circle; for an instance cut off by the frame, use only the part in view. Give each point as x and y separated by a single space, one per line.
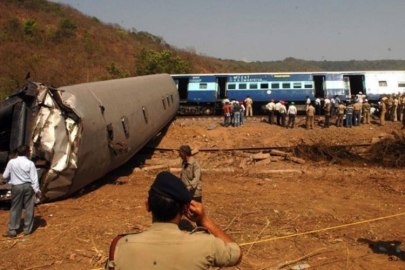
182 87
221 87
356 83
320 86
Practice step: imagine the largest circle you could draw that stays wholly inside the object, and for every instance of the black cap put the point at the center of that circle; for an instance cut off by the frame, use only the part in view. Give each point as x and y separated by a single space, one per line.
186 149
170 186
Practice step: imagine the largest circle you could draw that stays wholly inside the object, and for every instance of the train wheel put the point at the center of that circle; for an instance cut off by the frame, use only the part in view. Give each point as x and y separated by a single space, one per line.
207 111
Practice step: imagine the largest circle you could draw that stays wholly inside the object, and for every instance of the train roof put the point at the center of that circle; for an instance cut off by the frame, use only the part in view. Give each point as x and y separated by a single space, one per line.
306 72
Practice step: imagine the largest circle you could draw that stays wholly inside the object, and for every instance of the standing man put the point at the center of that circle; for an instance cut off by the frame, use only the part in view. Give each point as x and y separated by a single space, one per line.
318 106
236 114
191 173
23 178
357 112
283 112
366 112
307 102
310 116
271 107
292 112
249 103
227 114
164 245
349 115
383 111
327 110
277 111
242 113
341 113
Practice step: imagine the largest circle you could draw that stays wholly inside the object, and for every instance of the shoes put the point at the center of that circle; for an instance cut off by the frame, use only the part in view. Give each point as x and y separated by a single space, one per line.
10 234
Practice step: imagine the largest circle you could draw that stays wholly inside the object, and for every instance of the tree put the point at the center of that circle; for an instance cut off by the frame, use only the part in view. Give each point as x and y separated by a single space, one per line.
152 62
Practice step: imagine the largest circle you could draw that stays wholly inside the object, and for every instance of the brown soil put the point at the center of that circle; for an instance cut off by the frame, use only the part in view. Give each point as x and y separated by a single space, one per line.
347 202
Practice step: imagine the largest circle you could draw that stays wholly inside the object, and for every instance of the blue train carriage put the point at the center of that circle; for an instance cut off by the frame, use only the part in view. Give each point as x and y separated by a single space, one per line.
198 93
202 94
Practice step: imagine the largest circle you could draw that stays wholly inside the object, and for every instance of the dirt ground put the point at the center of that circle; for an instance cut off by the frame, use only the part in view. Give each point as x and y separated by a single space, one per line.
336 213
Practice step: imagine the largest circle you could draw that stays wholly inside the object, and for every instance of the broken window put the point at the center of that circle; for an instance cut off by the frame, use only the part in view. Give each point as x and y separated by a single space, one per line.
164 103
145 113
124 122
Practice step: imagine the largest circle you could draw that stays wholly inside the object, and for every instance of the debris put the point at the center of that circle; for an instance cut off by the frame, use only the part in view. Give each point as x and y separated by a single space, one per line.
296 160
212 127
278 153
263 161
260 156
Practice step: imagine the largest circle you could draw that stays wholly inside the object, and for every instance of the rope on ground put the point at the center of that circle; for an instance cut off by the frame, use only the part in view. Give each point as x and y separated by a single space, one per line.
321 230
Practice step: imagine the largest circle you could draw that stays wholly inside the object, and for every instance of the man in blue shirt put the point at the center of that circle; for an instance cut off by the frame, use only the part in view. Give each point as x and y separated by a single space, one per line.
23 178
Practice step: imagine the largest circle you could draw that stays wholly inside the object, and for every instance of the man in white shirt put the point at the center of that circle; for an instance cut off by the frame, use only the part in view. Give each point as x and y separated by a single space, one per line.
292 112
271 107
23 179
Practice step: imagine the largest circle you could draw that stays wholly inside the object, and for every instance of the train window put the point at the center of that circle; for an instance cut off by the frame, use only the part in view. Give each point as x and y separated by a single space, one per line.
275 86
309 85
164 103
168 101
297 85
253 86
124 122
145 114
286 85
264 86
401 84
382 83
242 86
231 86
203 86
171 96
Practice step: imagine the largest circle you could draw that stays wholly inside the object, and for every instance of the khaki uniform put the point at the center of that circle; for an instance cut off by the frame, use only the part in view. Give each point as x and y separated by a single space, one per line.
383 111
191 176
310 117
249 110
164 246
366 113
341 113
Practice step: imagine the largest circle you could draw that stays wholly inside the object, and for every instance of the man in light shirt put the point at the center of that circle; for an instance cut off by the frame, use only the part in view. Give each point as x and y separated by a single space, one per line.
292 112
23 178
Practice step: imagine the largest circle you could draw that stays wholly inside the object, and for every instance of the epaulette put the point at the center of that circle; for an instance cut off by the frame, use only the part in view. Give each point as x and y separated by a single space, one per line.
110 264
200 229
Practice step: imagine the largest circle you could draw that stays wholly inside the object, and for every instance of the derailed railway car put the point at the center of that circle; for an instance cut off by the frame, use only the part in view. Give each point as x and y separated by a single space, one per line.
203 93
79 133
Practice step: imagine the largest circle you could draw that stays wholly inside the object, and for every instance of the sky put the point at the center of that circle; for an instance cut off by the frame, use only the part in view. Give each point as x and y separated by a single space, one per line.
265 30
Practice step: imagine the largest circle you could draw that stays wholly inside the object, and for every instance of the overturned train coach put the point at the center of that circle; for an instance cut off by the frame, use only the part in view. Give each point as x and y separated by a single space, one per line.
79 133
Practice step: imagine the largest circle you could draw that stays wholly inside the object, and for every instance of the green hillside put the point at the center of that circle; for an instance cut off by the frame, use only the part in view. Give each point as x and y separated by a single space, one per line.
59 45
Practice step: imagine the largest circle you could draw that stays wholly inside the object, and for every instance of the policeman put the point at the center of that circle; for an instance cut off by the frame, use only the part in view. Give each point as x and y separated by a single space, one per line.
191 173
164 245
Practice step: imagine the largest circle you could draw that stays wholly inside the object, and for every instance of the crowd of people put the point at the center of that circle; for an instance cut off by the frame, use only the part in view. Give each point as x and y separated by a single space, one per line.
347 113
